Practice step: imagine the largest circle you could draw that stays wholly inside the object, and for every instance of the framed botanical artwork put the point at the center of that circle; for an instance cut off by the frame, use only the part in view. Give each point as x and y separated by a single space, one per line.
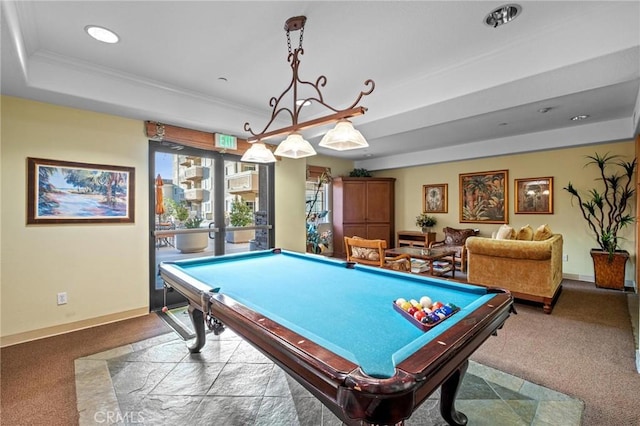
484 197
534 195
66 192
434 198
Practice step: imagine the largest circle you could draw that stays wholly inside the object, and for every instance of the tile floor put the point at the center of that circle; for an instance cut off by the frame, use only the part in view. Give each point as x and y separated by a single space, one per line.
158 382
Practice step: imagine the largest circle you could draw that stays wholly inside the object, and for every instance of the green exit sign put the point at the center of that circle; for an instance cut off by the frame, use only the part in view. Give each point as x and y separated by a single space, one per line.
226 141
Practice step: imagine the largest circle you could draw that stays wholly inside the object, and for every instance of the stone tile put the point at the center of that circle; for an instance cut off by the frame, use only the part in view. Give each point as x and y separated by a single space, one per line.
489 413
540 393
214 351
112 353
474 387
158 381
134 380
172 351
495 376
247 354
226 410
160 409
566 413
525 409
281 384
188 379
94 389
242 380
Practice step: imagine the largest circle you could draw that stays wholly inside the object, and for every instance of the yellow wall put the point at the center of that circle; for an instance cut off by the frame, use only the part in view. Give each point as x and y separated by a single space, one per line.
103 268
563 165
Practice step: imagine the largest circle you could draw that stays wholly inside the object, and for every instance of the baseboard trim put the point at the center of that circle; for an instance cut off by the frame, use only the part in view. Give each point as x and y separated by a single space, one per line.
42 333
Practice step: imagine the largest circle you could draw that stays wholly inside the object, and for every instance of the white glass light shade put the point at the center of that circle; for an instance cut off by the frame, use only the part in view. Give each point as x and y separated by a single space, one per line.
294 146
343 137
258 153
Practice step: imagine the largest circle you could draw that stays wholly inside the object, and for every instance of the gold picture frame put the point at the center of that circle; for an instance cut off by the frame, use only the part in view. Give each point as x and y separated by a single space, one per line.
64 192
484 197
534 195
435 198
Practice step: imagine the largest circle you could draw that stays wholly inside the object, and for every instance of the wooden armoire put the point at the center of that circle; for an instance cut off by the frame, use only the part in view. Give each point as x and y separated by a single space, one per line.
362 207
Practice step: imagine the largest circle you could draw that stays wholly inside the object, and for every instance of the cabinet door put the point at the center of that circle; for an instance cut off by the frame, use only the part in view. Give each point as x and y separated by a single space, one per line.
355 230
379 232
379 202
355 202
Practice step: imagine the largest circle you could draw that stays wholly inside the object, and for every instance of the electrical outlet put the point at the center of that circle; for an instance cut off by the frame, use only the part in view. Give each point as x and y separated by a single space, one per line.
62 298
565 257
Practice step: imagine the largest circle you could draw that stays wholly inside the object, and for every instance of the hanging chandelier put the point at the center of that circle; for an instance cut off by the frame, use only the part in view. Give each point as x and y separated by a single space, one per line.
343 137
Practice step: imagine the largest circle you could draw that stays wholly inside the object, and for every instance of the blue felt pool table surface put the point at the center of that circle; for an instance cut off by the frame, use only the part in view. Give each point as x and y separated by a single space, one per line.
346 310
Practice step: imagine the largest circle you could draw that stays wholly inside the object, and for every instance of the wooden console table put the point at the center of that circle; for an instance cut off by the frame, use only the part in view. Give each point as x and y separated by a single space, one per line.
414 239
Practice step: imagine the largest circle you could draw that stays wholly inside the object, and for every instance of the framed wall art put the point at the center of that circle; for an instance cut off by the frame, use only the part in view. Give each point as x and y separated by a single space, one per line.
60 192
534 195
434 198
484 197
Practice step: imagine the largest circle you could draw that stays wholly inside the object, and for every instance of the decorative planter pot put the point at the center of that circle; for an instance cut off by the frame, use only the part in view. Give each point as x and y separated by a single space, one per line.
609 273
192 243
242 236
426 229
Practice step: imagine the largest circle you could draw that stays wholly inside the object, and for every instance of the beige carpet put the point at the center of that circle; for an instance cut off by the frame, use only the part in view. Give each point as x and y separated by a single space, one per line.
585 349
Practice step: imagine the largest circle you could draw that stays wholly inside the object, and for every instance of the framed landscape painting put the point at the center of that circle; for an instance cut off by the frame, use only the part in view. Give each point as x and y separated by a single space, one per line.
434 198
484 196
534 195
67 192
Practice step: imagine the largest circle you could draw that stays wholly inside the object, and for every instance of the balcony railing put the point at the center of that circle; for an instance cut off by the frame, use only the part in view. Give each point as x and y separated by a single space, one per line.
243 182
195 194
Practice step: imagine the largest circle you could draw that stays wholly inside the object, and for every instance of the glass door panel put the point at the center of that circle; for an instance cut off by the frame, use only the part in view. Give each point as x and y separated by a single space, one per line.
203 203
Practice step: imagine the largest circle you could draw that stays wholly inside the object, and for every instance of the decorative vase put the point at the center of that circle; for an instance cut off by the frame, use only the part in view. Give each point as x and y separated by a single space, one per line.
609 273
426 229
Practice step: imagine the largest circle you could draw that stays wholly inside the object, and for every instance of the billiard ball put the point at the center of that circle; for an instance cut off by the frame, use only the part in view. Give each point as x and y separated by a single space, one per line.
412 310
434 317
165 309
446 309
419 315
436 305
400 301
425 302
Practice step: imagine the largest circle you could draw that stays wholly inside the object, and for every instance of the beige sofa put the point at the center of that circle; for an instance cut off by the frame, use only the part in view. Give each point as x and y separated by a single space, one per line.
530 270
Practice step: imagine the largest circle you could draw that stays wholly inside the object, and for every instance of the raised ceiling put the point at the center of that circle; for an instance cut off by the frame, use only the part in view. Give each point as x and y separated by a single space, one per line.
448 86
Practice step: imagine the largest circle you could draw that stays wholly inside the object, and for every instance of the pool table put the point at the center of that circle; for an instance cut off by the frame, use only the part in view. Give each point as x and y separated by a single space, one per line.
332 325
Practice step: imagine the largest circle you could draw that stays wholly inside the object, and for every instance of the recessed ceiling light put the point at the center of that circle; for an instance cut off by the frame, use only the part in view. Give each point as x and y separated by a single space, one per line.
502 124
580 117
222 78
544 110
102 34
502 15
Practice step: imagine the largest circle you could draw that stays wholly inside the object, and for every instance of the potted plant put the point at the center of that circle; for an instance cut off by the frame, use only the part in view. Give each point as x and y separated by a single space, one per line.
241 215
607 211
192 242
179 210
425 222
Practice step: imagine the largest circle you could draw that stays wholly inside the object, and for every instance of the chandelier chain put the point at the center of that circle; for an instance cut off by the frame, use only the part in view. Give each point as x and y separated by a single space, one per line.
289 39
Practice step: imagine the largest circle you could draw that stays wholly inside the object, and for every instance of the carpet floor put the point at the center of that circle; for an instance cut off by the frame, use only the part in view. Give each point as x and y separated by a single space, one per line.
584 349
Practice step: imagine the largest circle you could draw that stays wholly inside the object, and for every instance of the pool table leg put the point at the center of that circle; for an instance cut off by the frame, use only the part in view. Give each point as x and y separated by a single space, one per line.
197 319
448 394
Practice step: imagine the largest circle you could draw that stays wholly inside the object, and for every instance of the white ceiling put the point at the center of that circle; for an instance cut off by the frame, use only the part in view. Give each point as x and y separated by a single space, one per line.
447 86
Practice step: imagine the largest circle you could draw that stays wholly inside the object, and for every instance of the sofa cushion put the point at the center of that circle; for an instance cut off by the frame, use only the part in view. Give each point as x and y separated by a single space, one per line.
505 232
542 233
532 250
457 237
525 233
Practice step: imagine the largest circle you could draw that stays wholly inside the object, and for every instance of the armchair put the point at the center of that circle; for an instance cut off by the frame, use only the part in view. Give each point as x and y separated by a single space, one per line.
455 239
372 253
